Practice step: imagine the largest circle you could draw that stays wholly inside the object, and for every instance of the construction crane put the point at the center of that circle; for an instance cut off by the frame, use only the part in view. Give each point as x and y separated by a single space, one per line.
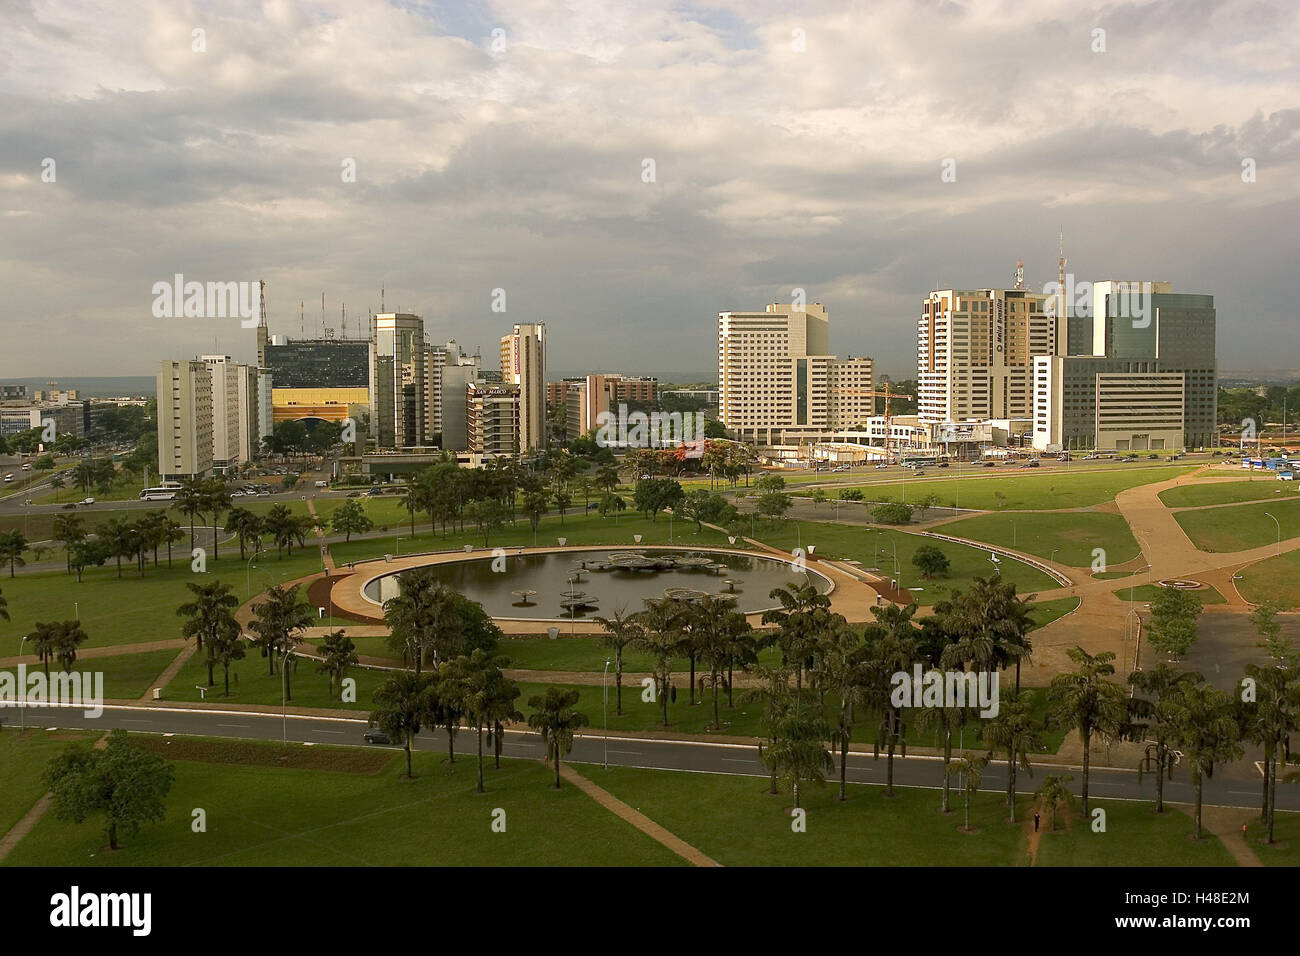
887 395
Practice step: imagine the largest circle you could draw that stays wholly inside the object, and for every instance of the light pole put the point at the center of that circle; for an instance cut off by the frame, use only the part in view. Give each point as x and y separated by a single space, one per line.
604 708
248 571
1052 557
1279 532
22 702
1013 532
284 694
399 545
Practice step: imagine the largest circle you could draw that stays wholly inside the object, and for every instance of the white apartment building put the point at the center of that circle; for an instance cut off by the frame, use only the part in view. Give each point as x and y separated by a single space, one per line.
975 350
777 382
523 364
184 420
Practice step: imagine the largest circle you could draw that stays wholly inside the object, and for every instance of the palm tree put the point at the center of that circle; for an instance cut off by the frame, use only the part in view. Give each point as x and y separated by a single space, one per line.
247 525
803 619
401 707
971 770
797 752
118 536
715 627
211 609
486 697
946 721
338 653
1158 683
840 672
4 607
190 501
660 635
69 530
1013 731
216 501
68 638
891 648
278 623
1086 700
774 694
620 630
12 546
1054 794
1204 728
555 719
225 645
45 642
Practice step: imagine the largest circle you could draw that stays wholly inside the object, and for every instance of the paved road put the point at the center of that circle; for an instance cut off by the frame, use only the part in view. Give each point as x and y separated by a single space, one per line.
681 755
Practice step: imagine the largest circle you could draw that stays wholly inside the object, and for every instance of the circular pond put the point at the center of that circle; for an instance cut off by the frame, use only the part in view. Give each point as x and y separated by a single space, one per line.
558 585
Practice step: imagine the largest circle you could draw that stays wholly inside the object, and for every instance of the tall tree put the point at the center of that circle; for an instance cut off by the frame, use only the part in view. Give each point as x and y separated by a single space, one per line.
337 653
971 770
402 704
555 719
1014 732
122 781
797 753
211 608
1153 686
660 627
1205 729
619 631
12 546
1087 700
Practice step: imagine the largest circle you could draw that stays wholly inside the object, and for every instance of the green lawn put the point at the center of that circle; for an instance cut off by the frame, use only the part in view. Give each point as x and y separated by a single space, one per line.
1241 527
1071 535
133 609
1276 579
1148 592
876 547
1021 490
126 676
23 756
1045 612
1285 850
250 684
267 816
736 822
1226 492
1135 836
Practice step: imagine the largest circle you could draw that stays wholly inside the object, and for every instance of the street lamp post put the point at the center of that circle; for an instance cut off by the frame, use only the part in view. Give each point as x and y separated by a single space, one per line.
248 571
604 708
284 694
22 691
1052 557
1279 532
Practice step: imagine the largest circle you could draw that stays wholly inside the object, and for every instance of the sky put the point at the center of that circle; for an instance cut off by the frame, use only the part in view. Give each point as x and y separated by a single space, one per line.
624 170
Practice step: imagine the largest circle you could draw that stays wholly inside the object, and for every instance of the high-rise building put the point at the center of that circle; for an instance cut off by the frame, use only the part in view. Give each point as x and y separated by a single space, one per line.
975 351
1149 382
492 419
584 398
777 384
184 392
398 401
523 364
448 367
223 374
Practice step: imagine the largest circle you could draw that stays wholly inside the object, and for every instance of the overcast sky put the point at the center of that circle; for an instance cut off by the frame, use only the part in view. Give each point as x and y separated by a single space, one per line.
523 168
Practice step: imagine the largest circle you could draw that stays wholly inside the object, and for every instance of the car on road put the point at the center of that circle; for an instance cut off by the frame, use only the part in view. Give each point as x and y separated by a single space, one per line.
1285 476
883 464
943 464
918 473
236 494
69 506
354 494
88 501
376 736
989 464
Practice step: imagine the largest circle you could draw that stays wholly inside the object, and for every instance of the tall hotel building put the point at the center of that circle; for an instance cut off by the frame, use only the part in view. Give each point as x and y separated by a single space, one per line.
975 351
777 382
398 366
523 364
184 420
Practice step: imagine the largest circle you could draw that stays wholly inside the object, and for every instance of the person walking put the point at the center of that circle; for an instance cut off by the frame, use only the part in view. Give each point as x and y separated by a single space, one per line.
1035 821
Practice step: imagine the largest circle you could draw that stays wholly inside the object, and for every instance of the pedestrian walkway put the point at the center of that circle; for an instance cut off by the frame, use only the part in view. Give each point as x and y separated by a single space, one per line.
171 670
636 818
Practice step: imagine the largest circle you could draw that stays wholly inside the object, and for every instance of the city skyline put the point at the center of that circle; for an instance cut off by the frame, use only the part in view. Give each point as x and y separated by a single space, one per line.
518 162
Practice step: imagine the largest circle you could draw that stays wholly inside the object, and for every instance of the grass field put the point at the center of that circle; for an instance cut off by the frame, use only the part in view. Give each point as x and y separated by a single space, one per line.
133 609
1022 490
1045 612
1241 527
1285 850
1276 579
23 756
264 816
1148 592
876 547
1227 492
1135 836
1072 535
126 676
250 684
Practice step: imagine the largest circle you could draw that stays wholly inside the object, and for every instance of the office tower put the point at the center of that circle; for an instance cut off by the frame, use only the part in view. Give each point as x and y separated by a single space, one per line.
492 415
449 372
184 420
523 364
1151 382
397 380
223 377
327 379
975 350
585 398
776 381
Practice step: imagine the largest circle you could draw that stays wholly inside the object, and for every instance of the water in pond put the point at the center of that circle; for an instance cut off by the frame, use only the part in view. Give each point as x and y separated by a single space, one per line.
624 583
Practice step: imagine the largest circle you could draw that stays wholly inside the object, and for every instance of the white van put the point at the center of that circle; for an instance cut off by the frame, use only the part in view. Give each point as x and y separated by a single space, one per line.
322 484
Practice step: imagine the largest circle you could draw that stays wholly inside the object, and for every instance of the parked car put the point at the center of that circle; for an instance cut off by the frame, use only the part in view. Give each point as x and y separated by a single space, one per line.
354 494
1153 457
989 464
1285 476
376 736
236 494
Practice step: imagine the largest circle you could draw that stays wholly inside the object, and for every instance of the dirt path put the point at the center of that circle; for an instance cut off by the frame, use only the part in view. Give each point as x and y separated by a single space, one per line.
636 818
1225 823
170 671
108 650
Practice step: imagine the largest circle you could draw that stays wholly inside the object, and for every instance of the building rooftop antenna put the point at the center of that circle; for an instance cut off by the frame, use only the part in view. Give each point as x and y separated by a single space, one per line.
1020 273
1061 272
